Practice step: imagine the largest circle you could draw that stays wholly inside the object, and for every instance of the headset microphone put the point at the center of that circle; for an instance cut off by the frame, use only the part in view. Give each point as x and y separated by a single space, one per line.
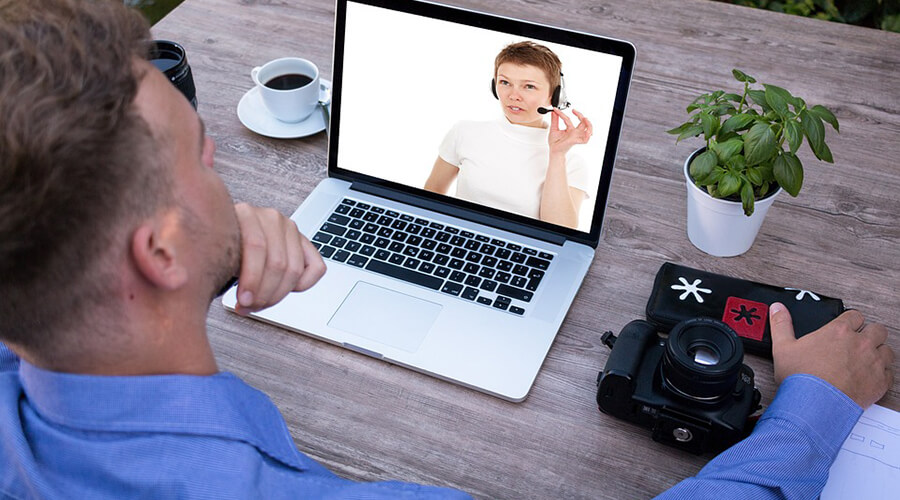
544 111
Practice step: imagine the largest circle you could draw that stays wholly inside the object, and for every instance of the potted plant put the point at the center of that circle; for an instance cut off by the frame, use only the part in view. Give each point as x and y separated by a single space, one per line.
750 155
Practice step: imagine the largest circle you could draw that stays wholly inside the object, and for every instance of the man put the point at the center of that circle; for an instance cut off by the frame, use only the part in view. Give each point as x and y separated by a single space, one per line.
115 233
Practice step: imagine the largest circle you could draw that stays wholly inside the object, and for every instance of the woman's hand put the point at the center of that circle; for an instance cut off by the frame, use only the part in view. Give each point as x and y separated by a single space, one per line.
561 141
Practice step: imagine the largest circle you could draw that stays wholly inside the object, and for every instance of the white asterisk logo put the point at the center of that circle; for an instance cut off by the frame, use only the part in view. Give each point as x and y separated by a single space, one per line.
690 289
802 293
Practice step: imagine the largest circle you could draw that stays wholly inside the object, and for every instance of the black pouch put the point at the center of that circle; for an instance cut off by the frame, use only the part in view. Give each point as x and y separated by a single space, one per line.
681 292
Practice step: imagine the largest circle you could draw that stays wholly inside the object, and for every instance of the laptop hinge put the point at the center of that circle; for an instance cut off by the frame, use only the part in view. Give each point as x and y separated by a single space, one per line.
462 213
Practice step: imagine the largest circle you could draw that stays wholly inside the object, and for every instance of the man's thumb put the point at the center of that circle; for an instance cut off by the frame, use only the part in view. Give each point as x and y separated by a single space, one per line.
781 324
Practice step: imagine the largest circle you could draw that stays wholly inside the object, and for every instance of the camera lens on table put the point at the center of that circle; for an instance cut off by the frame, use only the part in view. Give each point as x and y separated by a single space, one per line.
702 360
171 59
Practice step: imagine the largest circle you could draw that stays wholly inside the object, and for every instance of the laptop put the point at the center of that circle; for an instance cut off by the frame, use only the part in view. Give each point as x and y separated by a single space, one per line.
464 281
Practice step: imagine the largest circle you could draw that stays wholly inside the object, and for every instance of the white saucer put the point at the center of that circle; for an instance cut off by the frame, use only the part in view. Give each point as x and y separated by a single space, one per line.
254 115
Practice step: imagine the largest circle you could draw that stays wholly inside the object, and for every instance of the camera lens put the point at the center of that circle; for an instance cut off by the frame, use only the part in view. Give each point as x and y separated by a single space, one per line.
702 360
171 59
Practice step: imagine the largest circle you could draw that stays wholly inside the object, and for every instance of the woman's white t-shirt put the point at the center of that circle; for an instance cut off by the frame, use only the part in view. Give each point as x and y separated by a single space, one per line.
504 166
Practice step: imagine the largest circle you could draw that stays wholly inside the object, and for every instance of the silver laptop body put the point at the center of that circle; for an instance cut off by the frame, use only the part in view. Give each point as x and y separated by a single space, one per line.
488 322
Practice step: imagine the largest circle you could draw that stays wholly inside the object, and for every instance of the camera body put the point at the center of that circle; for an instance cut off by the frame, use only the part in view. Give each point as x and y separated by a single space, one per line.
691 389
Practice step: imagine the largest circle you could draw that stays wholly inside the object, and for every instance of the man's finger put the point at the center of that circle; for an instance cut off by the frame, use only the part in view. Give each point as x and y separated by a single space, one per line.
315 266
781 324
853 319
877 334
253 256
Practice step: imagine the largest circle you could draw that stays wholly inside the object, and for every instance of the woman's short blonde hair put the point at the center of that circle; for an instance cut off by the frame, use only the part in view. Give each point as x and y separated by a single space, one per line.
531 54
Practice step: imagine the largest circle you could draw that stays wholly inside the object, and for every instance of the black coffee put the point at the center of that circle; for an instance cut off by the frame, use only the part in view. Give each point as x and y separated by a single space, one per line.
288 82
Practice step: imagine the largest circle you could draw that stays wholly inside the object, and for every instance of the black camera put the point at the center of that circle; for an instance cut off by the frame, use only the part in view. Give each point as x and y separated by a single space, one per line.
691 389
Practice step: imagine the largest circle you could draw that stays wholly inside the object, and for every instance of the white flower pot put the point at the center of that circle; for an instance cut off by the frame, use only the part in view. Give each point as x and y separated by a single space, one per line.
719 227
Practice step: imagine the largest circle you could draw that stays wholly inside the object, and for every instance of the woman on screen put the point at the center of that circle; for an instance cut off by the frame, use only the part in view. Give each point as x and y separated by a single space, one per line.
519 163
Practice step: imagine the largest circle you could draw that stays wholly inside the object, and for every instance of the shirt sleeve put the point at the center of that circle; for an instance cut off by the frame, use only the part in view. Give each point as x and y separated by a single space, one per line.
577 174
789 453
9 362
448 150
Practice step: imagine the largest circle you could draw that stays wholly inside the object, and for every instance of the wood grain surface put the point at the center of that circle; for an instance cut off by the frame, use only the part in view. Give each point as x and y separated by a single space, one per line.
369 420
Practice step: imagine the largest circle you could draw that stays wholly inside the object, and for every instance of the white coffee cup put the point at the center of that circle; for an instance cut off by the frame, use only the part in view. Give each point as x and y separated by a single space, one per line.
289 88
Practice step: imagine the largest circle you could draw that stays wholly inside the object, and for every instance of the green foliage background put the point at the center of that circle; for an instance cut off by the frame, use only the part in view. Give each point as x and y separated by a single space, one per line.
879 14
154 9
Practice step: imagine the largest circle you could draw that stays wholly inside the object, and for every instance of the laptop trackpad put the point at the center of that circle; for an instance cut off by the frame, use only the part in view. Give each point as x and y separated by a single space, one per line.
386 316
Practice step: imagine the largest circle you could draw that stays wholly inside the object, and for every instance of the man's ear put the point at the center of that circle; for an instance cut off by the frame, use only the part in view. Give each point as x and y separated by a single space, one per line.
155 251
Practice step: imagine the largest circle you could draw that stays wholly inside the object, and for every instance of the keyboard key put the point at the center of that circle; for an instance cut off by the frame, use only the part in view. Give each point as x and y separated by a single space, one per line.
428 232
334 229
327 251
357 213
489 261
487 249
442 236
348 201
429 244
514 247
469 293
426 255
498 243
357 260
518 258
486 272
457 276
342 220
467 234
472 245
441 260
484 300
442 272
444 248
519 269
536 273
458 252
501 305
427 267
436 225
377 210
473 281
421 222
382 254
367 238
396 246
357 224
471 268
367 250
489 285
503 277
322 237
519 281
339 242
545 255
503 253
385 232
382 242
353 246
414 240
411 251
533 284
413 228
405 274
457 241
451 230
342 209
398 224
456 264
407 217
411 263
529 251
353 234
370 217
452 288
341 255
364 206
516 293
385 221
370 228
473 257
538 263
396 259
482 237
392 213
398 236
516 310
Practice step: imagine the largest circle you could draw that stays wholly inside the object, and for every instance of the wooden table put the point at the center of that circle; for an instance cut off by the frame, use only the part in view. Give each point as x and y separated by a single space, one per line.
369 420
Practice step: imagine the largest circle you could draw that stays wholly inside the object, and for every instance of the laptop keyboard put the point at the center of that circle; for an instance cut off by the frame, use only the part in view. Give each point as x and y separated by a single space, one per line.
496 273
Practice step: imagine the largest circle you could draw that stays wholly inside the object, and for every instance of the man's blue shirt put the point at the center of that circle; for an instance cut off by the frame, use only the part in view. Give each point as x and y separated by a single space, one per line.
181 436
162 436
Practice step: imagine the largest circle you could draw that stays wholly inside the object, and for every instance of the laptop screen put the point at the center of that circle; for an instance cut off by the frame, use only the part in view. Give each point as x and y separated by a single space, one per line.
453 105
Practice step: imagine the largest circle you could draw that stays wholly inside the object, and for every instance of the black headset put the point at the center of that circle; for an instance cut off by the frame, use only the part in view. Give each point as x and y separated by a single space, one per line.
558 99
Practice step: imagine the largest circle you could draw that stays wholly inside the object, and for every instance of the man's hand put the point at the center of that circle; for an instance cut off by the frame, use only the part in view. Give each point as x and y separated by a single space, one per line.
275 259
847 353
